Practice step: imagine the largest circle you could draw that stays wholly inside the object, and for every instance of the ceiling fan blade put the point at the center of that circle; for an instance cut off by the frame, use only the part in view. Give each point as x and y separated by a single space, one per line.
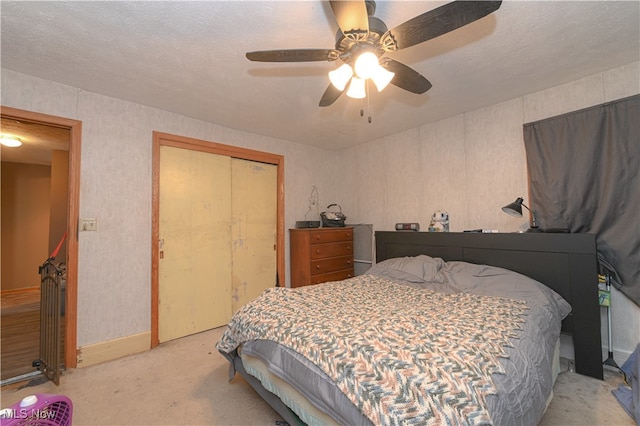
406 78
436 22
294 55
330 95
351 15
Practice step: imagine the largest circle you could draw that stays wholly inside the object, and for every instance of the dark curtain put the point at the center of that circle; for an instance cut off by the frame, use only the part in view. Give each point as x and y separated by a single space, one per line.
584 175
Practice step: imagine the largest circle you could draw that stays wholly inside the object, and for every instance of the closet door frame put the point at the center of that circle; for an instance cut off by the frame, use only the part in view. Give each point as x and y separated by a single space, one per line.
165 139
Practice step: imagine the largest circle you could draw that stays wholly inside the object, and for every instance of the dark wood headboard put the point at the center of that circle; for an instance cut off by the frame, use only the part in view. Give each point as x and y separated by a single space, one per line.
564 262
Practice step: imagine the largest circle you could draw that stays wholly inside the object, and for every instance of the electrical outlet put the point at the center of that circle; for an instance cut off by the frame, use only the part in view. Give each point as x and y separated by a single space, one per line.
89 224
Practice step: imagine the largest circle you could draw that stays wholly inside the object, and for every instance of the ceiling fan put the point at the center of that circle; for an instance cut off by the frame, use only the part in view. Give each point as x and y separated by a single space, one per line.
362 40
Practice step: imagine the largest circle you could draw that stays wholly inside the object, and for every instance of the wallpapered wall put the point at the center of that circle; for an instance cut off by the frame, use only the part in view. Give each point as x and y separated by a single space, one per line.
114 263
469 165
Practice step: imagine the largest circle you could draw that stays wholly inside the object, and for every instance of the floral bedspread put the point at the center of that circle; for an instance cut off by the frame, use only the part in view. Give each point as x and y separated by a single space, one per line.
401 355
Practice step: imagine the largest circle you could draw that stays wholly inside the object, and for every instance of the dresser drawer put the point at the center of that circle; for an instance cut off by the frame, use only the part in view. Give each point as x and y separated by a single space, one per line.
322 251
330 265
331 276
329 236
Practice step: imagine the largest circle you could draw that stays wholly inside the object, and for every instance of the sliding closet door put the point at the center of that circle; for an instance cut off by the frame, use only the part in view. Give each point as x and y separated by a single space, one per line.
254 234
194 269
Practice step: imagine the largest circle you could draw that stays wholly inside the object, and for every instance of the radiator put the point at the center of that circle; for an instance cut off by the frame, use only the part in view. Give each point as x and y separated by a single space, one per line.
50 319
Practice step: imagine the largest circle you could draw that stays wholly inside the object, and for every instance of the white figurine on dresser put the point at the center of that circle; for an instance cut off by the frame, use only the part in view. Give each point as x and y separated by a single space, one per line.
439 222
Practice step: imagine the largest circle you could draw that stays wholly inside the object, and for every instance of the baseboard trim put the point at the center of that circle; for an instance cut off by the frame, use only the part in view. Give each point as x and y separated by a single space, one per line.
113 349
567 351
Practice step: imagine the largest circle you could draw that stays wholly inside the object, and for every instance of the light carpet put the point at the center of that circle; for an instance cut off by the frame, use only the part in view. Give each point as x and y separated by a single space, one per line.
185 382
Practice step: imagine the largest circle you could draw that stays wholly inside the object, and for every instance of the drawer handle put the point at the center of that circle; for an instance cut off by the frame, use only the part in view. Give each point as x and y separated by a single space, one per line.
317 251
318 267
317 236
348 262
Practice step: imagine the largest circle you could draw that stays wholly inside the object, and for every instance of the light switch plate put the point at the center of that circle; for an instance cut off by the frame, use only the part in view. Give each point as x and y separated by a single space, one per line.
89 224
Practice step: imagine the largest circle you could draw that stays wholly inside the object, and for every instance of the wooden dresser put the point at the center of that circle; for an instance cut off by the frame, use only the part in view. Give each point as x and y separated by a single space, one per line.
320 254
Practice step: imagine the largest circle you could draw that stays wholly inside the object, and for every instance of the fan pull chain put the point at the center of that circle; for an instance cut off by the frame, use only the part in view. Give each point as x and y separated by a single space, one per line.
368 103
367 93
366 88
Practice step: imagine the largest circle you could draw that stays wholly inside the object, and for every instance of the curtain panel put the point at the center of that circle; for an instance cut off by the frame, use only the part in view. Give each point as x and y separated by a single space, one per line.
584 175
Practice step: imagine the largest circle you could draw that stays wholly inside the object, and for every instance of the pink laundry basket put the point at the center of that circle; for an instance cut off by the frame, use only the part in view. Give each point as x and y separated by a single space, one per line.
38 410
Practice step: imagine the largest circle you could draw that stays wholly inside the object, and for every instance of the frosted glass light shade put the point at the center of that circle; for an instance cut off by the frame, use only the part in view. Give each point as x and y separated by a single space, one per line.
340 76
366 65
356 88
382 77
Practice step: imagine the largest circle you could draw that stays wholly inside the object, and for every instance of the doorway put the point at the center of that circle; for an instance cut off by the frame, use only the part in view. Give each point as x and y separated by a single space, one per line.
33 129
213 159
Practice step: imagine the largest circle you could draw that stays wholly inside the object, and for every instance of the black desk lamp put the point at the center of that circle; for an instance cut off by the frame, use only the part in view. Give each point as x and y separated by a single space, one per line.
515 209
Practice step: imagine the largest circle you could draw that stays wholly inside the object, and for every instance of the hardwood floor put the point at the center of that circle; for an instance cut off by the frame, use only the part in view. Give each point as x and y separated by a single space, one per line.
20 332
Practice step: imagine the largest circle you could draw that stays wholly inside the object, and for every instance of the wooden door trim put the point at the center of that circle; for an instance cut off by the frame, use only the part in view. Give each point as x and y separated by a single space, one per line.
165 139
71 302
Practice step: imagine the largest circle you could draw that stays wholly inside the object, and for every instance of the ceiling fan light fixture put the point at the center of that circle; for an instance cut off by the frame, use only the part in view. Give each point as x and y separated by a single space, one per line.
362 40
10 141
382 77
340 76
366 65
357 88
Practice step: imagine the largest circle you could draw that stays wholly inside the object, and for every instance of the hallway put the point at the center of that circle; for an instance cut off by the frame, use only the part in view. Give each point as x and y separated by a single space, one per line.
20 332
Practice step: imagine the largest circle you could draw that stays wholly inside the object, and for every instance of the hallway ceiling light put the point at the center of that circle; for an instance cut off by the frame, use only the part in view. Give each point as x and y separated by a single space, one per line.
10 141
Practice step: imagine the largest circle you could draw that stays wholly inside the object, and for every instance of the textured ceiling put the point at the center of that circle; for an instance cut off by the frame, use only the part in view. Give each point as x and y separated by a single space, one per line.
188 58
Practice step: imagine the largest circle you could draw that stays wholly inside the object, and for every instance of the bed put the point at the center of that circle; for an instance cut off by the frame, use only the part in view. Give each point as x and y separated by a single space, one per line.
445 328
